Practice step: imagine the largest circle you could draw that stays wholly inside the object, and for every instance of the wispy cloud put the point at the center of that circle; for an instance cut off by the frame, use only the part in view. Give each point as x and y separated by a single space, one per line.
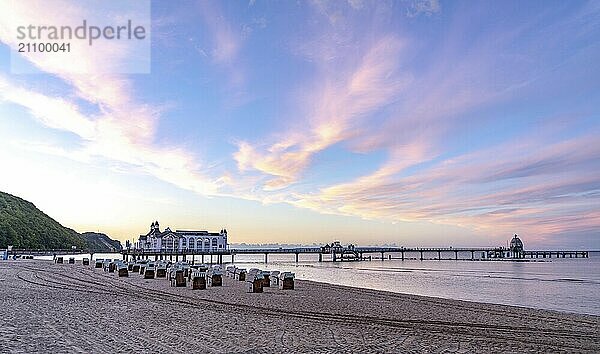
553 189
340 105
113 138
224 48
226 41
123 130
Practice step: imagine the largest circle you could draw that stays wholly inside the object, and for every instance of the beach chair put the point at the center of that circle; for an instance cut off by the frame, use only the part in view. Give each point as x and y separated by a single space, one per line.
71 260
266 278
177 278
161 270
215 276
99 263
149 271
254 282
180 278
240 274
198 280
183 265
59 260
123 271
286 281
275 278
85 262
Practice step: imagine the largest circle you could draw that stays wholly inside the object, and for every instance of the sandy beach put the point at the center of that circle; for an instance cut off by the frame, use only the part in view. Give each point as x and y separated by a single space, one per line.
47 307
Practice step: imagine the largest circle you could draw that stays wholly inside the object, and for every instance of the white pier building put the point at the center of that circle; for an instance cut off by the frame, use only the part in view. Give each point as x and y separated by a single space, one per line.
181 240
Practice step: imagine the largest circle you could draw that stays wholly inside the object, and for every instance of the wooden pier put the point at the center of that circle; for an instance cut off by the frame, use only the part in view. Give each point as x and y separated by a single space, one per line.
341 254
350 254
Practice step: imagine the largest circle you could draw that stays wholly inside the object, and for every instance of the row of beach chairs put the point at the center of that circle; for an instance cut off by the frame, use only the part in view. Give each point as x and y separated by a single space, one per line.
200 276
257 279
71 260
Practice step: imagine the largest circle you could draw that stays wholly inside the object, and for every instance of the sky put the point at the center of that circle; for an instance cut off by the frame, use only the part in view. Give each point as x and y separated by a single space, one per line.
409 122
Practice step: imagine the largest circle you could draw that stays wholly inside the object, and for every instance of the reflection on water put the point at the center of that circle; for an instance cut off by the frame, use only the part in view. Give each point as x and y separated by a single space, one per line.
564 284
571 285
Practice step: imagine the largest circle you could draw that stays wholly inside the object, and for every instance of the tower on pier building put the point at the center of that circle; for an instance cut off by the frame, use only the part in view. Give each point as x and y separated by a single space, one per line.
516 247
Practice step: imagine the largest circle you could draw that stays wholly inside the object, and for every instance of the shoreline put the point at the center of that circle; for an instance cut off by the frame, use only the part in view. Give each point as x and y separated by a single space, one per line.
91 309
451 299
293 267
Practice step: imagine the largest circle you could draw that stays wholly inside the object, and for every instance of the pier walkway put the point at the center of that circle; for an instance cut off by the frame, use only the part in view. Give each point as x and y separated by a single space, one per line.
333 254
359 253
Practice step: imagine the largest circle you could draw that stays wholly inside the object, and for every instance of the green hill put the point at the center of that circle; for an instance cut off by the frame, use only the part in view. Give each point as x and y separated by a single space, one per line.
22 225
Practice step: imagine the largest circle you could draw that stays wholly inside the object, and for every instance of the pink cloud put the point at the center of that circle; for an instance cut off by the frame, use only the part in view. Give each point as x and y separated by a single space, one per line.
336 111
124 129
541 199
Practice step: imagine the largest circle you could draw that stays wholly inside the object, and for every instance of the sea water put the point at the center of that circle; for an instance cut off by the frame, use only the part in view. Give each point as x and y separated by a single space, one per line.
563 284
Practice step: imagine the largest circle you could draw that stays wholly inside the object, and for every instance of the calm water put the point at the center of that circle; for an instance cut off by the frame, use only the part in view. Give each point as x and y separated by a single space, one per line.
570 285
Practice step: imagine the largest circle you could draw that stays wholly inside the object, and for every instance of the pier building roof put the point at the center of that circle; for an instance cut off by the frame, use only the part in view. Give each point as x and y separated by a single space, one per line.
516 244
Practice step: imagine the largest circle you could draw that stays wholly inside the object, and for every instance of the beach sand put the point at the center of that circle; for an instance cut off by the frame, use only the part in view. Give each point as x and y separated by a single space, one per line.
47 307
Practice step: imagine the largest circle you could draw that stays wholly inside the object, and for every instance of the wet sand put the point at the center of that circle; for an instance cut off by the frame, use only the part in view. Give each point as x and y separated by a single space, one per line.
48 307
